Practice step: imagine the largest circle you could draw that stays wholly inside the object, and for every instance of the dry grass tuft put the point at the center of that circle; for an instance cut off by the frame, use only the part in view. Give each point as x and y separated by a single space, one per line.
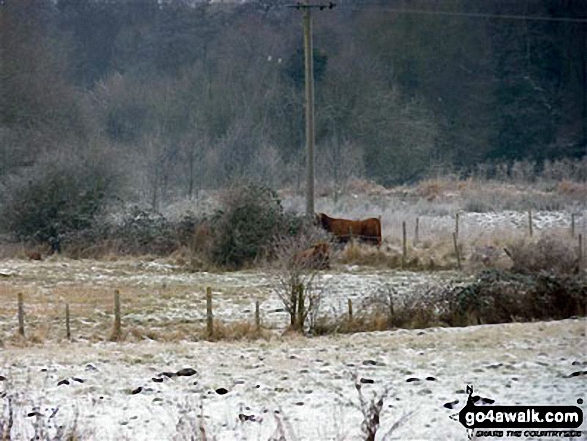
440 188
40 334
360 254
553 252
142 333
238 331
567 187
428 256
430 189
362 186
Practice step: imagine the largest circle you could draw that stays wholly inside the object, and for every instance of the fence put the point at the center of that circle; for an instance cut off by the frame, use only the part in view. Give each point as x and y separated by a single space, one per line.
210 333
117 329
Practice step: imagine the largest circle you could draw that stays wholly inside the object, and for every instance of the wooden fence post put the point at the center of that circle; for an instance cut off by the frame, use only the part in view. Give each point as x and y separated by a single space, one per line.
572 224
67 327
580 258
117 330
454 240
209 316
391 312
257 316
350 305
404 244
457 224
530 227
417 233
20 315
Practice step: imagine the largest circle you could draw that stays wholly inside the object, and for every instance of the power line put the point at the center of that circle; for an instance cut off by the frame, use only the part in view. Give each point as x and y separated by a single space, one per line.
379 7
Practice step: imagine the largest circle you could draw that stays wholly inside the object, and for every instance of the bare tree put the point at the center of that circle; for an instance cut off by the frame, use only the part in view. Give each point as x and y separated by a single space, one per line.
268 166
192 150
340 160
300 287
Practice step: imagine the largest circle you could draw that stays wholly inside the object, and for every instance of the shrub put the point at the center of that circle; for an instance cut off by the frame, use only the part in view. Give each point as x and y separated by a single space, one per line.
495 297
551 253
503 296
55 196
138 231
247 225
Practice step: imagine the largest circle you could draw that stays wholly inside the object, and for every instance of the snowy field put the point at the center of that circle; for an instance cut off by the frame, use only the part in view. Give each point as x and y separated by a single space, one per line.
289 388
247 391
159 295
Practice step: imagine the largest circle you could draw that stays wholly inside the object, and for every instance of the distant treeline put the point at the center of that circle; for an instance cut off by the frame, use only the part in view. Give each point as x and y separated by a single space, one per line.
179 95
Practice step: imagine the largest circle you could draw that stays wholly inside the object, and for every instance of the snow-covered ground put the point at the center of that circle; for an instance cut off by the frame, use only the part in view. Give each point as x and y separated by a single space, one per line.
303 385
301 388
158 294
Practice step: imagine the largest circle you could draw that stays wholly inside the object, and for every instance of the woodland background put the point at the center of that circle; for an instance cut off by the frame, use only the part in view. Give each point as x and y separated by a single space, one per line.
154 99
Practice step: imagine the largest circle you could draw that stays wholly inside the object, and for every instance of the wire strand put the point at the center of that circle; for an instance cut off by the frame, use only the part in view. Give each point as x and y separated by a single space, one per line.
379 7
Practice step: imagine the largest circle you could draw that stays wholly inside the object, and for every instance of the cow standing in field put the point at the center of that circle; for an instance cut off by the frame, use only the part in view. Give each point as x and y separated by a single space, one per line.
367 230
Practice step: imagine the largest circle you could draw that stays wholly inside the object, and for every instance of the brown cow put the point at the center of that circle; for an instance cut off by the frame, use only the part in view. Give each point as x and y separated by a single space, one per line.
315 257
367 230
34 255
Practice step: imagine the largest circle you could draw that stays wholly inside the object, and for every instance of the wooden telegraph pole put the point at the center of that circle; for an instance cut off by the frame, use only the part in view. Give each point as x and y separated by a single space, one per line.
306 8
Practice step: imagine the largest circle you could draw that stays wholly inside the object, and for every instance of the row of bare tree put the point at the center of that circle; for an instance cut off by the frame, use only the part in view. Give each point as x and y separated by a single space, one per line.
180 95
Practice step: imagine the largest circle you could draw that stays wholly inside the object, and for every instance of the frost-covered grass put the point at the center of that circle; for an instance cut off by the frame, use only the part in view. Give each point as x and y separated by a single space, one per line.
300 388
304 385
491 216
296 387
161 300
437 219
487 208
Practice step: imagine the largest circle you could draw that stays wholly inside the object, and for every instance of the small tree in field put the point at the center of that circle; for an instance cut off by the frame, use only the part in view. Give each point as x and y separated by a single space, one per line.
299 260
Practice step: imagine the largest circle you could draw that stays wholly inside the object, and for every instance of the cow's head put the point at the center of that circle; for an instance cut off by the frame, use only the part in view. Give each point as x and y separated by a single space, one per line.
323 221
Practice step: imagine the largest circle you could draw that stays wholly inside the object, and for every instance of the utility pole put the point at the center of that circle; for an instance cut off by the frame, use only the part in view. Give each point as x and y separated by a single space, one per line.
585 89
306 8
310 155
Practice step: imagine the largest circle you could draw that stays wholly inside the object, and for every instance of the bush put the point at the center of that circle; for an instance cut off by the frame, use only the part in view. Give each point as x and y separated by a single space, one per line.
247 225
495 297
54 197
139 232
551 253
503 296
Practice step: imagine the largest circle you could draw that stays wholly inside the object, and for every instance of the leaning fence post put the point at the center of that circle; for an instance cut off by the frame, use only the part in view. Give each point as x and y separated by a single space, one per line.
530 229
67 327
454 239
20 315
209 316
